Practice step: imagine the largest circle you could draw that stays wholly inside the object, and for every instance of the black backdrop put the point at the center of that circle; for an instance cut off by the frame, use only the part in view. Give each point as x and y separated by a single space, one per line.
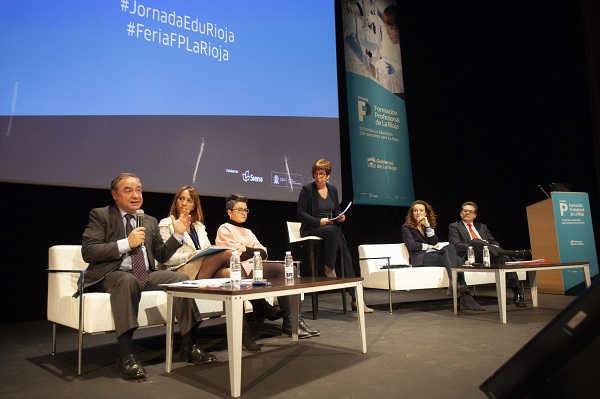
508 83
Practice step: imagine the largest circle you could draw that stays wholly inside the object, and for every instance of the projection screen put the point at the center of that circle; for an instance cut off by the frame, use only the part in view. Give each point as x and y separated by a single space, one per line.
228 96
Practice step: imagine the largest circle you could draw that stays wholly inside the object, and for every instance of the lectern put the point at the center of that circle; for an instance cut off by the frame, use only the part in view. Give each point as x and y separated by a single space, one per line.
560 230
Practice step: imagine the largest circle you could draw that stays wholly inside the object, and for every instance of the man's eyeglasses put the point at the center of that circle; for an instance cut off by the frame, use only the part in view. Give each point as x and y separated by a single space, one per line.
242 210
467 211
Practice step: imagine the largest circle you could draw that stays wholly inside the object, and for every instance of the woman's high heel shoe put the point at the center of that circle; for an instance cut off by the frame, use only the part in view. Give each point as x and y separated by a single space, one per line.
263 309
367 309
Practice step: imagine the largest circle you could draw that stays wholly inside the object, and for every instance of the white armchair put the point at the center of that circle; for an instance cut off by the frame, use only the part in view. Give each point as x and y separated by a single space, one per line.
91 313
387 267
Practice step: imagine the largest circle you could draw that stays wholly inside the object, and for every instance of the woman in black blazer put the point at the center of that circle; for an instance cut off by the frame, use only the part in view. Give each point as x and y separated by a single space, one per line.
422 243
318 206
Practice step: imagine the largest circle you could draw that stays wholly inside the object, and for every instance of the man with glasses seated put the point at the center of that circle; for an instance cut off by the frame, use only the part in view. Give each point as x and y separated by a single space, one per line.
477 235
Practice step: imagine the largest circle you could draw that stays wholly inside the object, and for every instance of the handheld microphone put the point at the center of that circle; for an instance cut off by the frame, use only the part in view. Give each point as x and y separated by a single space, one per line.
543 191
139 218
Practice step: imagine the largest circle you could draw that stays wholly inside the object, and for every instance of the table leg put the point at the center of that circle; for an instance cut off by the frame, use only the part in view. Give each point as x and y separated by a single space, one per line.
360 305
315 273
454 291
295 308
501 293
586 274
389 285
170 321
532 274
234 314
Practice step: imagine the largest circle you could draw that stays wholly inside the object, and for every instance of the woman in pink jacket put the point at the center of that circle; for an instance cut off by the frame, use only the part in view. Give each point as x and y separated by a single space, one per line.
235 236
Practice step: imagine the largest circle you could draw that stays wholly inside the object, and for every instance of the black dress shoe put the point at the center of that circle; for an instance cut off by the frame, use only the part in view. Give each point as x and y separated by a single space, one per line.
522 254
304 327
275 314
286 329
196 355
130 367
519 301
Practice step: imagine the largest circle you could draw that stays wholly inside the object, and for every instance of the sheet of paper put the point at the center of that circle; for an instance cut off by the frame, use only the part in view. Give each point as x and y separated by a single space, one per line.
528 262
340 215
207 282
207 251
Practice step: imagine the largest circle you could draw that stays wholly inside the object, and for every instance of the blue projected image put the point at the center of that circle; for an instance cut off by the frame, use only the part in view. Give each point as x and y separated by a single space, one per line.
227 96
145 57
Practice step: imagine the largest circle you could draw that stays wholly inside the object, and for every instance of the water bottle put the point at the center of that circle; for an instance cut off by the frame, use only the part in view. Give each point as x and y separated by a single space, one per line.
486 257
235 267
289 266
257 272
470 256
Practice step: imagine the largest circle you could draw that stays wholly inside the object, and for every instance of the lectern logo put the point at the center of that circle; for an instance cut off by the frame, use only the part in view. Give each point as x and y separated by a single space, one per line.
563 207
364 109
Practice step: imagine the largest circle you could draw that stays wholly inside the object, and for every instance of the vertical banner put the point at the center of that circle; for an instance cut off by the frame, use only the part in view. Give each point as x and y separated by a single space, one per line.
575 234
379 146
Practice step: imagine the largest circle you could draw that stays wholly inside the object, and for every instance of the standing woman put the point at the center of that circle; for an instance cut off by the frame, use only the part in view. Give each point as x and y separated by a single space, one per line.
317 204
187 201
421 241
234 235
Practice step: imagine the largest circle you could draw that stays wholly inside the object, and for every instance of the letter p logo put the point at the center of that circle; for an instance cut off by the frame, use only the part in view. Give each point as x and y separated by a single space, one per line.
363 109
563 208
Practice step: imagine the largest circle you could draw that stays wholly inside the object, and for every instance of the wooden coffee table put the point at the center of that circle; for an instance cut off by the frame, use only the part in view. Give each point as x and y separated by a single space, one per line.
234 311
500 272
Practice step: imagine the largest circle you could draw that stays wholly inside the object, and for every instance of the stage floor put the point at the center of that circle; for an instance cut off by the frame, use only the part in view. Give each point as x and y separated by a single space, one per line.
422 350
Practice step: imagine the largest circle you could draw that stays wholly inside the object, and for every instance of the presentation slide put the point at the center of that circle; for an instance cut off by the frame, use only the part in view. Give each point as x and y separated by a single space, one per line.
227 96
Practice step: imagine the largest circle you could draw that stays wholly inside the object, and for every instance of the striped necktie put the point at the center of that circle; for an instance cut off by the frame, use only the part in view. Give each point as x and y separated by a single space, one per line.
138 265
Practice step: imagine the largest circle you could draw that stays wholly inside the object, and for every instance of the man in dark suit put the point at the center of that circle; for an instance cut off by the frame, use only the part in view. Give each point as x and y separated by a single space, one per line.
468 233
122 262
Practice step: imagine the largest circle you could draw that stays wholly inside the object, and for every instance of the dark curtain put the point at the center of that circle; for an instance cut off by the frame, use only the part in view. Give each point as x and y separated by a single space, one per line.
591 32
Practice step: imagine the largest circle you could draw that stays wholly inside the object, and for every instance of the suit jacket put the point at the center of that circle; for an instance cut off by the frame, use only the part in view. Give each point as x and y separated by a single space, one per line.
414 240
459 236
99 248
308 203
